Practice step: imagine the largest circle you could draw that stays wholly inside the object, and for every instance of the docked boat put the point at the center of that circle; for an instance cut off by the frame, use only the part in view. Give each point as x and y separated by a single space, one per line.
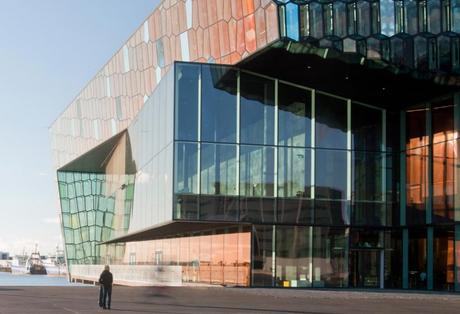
34 265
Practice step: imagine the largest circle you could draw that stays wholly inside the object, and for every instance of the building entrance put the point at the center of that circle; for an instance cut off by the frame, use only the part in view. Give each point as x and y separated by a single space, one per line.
366 268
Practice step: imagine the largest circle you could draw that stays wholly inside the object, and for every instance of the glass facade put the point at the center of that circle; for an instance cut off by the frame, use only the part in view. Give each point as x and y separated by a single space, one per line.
420 35
290 186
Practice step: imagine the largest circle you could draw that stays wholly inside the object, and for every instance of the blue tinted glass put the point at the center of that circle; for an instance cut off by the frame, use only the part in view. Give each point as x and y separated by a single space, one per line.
387 17
294 116
331 122
218 106
218 169
257 171
257 110
331 174
186 120
292 21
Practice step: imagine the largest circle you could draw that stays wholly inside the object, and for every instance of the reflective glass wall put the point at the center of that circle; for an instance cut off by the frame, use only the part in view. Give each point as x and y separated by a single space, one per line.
421 35
307 168
221 257
430 213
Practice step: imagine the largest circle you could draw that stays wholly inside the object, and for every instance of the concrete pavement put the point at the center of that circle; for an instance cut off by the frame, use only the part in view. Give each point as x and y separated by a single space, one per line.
83 300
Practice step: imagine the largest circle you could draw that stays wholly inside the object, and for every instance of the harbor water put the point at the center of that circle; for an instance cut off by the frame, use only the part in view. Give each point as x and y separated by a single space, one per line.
8 279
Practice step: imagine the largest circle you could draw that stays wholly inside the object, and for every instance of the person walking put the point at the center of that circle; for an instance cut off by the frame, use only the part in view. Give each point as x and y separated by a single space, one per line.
106 282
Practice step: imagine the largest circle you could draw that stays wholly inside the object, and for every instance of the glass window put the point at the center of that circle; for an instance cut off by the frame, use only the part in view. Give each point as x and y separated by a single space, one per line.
186 122
331 174
294 172
331 213
416 132
262 258
218 108
331 122
417 258
366 128
367 176
257 110
416 184
330 257
393 258
443 120
256 171
293 256
294 115
443 254
186 181
292 21
218 169
444 161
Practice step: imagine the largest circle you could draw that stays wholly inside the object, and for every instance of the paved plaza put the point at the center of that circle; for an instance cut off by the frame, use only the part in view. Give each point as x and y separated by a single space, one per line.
78 300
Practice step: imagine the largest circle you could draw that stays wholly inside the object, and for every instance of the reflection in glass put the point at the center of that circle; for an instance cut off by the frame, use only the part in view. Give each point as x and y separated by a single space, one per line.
443 255
186 180
257 110
417 258
293 256
262 258
444 163
256 171
331 174
330 257
218 108
186 122
294 116
366 128
416 184
294 172
331 122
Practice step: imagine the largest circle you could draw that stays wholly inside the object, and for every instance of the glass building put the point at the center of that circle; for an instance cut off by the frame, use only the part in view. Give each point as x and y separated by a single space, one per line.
291 144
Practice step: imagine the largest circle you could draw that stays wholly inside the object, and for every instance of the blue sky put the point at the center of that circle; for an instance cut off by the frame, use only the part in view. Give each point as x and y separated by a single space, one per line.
49 49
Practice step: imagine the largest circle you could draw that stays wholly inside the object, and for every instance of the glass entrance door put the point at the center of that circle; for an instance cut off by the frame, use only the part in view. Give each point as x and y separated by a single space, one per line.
365 268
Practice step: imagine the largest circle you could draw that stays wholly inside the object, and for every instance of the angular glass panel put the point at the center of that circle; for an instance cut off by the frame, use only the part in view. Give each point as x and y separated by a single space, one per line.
433 16
330 257
328 19
363 10
331 174
410 17
331 122
186 180
340 19
257 110
294 116
293 257
218 109
292 21
186 111
455 15
387 17
316 20
304 21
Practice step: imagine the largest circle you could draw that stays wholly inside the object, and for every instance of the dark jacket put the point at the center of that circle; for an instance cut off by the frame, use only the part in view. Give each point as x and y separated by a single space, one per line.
106 279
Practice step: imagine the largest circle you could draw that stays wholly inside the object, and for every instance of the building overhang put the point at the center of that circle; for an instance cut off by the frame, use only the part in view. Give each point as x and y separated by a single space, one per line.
175 229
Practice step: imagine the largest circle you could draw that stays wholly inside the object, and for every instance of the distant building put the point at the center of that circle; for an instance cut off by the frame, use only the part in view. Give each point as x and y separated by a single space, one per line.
264 143
4 255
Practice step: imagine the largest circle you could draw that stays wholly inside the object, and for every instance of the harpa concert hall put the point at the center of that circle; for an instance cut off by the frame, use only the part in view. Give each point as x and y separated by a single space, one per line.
261 143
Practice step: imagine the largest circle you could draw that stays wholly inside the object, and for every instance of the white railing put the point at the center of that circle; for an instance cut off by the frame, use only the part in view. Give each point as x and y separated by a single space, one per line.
131 275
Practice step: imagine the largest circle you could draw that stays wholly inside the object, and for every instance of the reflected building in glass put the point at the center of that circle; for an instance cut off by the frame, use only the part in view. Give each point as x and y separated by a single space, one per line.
274 143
